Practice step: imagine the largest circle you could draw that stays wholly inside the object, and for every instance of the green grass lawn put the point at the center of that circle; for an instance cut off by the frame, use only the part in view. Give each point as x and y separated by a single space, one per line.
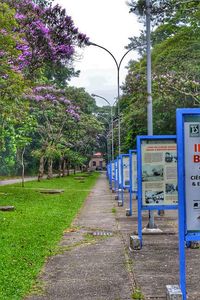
29 234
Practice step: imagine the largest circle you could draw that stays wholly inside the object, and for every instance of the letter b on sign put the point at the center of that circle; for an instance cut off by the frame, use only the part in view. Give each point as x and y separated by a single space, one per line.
196 158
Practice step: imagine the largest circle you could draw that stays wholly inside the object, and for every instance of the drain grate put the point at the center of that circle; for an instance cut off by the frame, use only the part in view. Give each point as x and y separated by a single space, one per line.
102 233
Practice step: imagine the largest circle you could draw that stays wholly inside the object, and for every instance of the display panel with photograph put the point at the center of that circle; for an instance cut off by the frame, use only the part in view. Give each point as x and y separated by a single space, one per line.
159 172
113 170
192 172
134 171
119 171
125 160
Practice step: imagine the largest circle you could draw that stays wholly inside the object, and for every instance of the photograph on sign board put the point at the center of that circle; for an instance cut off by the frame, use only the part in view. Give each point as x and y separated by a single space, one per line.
171 188
154 197
170 157
159 173
126 171
113 170
152 173
134 171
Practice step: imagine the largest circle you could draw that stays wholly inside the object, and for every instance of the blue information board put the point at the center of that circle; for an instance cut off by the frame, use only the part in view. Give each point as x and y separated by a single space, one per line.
125 184
115 181
156 174
132 178
188 143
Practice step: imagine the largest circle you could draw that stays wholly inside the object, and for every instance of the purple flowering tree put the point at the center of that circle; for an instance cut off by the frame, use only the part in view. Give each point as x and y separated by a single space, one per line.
50 38
53 112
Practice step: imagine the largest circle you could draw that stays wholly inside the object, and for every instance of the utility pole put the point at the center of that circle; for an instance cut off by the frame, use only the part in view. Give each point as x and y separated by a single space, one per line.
151 223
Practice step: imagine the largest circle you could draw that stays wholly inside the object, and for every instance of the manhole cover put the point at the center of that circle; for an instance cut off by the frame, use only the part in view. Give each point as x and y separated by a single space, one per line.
102 233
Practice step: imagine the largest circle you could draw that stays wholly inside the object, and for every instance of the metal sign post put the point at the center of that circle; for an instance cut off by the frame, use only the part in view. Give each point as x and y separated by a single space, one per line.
156 175
132 179
113 173
117 178
115 181
188 142
110 175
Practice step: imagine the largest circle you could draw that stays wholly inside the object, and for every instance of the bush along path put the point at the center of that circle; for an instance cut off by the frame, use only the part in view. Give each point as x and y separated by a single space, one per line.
30 233
90 262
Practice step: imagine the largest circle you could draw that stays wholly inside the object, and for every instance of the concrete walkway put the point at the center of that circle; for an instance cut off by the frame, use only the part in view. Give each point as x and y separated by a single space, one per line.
94 261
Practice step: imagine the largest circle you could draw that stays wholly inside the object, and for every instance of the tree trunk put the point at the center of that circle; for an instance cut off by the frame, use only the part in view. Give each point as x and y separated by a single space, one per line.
23 151
50 168
60 167
41 168
68 166
64 167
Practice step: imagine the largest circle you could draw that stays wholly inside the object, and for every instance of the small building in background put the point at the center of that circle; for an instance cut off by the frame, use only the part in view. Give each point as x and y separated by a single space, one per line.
97 162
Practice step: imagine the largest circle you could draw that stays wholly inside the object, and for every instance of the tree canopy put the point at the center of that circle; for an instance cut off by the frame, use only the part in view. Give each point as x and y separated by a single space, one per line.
175 67
42 118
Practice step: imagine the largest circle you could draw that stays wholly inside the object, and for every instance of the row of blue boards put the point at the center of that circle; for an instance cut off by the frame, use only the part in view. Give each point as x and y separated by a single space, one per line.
164 173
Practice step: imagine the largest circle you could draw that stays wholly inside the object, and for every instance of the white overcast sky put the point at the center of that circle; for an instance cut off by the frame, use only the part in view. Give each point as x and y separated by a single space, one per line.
107 23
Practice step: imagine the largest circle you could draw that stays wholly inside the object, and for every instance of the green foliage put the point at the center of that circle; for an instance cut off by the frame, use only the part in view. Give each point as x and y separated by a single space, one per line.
81 98
137 295
29 131
11 81
175 70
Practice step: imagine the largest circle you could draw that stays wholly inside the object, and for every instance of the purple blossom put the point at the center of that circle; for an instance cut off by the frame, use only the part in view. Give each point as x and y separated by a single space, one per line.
2 53
39 98
39 89
67 101
49 97
65 49
19 16
41 26
3 31
5 76
22 47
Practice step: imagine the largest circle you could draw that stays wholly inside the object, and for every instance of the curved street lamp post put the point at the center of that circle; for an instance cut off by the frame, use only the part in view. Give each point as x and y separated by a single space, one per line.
118 65
111 117
149 87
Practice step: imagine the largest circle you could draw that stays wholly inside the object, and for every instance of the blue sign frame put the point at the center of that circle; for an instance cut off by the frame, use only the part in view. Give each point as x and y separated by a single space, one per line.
131 191
142 207
120 179
110 175
123 187
118 176
115 171
184 235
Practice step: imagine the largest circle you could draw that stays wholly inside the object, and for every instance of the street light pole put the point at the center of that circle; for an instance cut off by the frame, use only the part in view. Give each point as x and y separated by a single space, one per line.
118 65
111 116
109 155
151 223
149 80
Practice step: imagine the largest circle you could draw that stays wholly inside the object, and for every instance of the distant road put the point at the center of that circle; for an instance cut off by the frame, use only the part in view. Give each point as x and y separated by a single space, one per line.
17 180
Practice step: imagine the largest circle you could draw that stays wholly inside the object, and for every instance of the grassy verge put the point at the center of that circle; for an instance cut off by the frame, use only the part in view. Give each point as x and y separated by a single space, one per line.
30 234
